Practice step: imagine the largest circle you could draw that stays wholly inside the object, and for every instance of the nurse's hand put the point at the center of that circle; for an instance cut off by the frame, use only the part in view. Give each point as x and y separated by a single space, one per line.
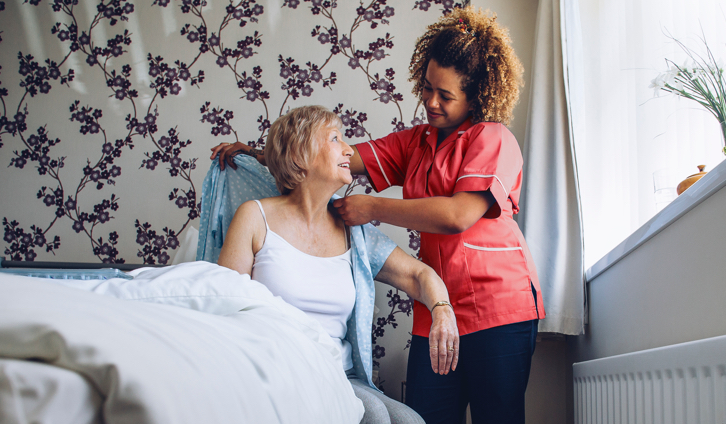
227 151
443 340
356 209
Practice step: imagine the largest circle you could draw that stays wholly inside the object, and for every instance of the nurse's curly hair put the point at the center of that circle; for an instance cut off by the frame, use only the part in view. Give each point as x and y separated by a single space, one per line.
479 49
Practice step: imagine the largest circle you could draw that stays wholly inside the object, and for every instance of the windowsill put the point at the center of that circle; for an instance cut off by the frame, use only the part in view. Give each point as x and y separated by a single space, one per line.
709 184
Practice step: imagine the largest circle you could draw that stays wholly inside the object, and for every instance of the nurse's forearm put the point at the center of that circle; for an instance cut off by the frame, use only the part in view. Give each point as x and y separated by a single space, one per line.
438 215
357 167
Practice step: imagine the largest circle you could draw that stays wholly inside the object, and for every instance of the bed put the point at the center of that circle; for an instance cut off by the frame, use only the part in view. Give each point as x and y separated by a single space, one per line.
187 343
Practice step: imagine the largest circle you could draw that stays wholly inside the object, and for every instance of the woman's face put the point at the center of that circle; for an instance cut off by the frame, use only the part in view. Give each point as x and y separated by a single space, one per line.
446 105
333 159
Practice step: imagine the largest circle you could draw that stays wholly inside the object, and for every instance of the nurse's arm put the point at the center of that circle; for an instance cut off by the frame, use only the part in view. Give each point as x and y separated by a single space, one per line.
357 167
437 215
422 283
227 151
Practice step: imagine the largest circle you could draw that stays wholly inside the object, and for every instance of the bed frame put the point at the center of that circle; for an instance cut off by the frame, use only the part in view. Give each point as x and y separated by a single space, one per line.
69 270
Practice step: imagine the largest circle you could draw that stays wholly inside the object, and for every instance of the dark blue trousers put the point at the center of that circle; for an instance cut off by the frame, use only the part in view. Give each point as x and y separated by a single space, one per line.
492 376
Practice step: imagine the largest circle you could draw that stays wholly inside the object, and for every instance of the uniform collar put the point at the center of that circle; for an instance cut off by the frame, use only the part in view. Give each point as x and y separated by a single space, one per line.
433 132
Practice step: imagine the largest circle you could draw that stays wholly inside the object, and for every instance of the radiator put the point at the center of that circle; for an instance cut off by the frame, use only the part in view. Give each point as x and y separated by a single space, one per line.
678 384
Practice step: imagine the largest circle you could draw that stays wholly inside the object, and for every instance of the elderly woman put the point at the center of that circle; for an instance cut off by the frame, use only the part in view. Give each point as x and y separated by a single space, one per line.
299 247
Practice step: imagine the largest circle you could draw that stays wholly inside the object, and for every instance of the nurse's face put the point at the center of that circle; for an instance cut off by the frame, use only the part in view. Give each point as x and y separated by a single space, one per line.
333 160
446 105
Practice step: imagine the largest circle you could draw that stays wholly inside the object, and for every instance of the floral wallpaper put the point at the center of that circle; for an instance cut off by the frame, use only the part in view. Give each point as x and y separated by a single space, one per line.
109 109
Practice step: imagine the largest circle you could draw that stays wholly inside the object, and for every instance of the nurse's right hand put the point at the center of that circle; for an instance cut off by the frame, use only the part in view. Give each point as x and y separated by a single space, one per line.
227 151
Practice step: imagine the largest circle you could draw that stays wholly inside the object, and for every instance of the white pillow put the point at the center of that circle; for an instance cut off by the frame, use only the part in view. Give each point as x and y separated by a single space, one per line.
201 286
205 287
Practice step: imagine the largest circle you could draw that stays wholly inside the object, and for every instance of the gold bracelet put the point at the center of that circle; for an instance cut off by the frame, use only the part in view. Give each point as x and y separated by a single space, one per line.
441 303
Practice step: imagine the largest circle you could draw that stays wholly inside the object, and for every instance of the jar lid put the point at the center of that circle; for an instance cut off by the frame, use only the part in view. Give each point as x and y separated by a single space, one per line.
701 171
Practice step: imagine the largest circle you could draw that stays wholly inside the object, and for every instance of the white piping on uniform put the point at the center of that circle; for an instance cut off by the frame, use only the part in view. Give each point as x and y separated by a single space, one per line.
492 249
485 176
379 163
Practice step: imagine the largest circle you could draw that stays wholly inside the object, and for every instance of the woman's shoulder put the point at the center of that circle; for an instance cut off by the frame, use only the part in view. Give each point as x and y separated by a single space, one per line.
489 126
247 210
252 208
407 135
491 132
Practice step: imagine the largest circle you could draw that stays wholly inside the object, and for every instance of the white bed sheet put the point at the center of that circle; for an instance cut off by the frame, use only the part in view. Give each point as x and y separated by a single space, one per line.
158 361
34 392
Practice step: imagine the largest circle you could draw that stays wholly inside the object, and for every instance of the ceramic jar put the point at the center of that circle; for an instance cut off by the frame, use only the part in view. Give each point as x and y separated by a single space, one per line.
683 185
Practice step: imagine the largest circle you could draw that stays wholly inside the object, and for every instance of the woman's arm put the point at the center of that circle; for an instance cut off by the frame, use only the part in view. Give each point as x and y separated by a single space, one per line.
227 151
422 283
243 239
438 215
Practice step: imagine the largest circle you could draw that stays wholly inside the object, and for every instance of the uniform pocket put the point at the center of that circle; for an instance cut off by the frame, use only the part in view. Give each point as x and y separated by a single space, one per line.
505 265
500 278
492 249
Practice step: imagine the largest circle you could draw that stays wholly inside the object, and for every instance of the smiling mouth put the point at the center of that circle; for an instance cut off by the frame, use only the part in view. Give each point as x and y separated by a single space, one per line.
344 165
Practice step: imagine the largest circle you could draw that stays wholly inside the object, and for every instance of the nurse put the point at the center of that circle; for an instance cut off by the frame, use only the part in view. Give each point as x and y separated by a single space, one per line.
461 176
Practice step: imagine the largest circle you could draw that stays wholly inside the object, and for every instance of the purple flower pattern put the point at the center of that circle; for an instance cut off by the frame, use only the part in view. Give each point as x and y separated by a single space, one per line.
447 5
73 206
398 305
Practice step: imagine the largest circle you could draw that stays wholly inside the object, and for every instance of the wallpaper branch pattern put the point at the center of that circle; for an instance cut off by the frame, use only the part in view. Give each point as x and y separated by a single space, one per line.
218 44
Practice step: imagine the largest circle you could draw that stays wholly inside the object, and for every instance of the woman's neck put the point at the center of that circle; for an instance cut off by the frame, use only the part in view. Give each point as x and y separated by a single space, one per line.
310 201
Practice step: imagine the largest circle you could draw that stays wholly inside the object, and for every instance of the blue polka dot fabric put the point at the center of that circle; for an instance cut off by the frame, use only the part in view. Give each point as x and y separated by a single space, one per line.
224 191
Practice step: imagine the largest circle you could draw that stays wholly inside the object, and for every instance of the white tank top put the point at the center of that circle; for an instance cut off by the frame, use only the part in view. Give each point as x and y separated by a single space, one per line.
323 288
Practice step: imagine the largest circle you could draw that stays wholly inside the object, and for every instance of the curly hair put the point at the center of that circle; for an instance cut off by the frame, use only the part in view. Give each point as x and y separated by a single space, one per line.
480 50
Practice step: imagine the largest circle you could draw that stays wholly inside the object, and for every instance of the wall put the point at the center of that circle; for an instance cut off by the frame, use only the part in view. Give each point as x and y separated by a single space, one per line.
102 151
669 290
546 398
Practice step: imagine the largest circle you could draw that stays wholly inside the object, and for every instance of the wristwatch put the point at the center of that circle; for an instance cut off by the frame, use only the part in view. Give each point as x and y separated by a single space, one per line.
442 303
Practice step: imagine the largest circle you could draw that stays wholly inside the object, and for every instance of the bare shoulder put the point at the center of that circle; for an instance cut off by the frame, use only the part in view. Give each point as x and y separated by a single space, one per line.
247 226
248 210
251 210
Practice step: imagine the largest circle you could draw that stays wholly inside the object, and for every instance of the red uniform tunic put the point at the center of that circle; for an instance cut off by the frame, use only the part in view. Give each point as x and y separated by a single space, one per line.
488 268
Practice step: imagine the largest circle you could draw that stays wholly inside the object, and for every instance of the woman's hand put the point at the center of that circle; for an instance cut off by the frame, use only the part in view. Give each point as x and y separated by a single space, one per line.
422 283
227 151
356 209
443 340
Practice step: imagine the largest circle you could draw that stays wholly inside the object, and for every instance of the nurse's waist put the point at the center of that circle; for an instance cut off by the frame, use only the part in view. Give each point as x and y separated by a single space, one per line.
431 245
496 238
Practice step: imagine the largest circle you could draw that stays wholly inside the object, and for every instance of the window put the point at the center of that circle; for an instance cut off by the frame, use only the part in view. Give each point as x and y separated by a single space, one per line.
629 134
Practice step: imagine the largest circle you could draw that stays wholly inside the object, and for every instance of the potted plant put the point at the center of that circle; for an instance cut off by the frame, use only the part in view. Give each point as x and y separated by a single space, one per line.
701 80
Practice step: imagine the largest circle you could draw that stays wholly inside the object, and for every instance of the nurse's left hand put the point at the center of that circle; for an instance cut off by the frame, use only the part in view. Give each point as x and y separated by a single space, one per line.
356 209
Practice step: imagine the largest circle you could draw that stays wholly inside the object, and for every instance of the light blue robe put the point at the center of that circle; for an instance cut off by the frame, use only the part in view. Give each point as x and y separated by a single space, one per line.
224 191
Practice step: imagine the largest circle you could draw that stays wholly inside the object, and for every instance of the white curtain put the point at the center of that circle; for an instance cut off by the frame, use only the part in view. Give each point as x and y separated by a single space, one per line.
629 134
550 218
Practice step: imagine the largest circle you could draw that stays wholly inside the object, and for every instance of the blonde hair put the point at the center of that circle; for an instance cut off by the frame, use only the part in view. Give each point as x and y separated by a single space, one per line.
293 143
479 49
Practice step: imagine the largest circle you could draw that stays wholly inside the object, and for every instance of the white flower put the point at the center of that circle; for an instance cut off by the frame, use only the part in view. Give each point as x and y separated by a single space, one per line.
670 77
677 85
657 84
